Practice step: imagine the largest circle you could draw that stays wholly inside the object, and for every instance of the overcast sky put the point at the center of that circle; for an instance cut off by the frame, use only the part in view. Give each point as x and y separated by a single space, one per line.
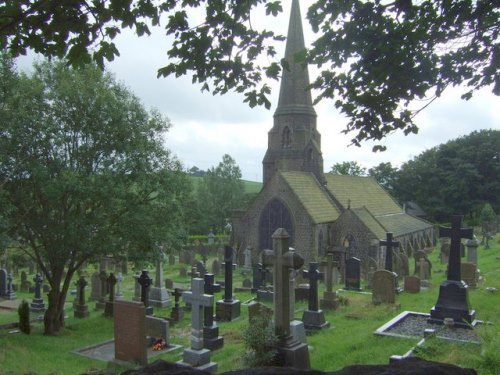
206 127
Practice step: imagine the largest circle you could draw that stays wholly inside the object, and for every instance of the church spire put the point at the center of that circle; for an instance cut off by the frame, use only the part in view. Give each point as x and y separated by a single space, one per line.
294 96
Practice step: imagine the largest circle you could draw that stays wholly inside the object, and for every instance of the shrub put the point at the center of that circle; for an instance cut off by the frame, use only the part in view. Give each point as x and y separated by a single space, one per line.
24 317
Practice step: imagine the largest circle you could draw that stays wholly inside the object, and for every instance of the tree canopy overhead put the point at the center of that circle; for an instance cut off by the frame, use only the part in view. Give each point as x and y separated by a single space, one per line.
376 58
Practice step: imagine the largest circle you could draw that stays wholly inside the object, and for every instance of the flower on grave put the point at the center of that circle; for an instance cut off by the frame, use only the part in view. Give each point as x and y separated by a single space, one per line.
159 344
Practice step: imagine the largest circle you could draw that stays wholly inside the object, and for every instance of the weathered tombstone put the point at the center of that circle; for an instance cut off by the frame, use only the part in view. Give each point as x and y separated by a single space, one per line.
137 288
216 267
158 295
11 295
103 284
472 246
369 278
37 304
314 317
257 277
211 237
384 287
169 283
119 282
444 253
211 338
257 309
228 308
247 263
294 353
177 312
353 274
157 328
420 254
425 272
81 309
197 356
200 268
469 274
389 245
330 300
412 284
130 332
111 281
95 286
405 265
171 260
145 282
24 282
183 272
453 300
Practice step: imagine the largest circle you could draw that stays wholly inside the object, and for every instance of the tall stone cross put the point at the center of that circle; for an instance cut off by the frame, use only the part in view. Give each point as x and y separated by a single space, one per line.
198 302
389 244
314 276
38 279
145 282
456 234
210 288
228 273
329 264
282 260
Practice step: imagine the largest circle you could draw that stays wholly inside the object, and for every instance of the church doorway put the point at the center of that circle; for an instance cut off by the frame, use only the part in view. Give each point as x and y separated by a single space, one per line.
274 215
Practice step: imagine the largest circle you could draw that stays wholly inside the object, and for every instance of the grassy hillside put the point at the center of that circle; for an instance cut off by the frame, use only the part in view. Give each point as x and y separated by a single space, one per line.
250 186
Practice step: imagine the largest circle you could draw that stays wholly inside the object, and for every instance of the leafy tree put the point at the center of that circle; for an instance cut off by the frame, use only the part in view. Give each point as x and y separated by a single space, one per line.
487 217
385 174
376 57
457 177
350 168
84 173
220 191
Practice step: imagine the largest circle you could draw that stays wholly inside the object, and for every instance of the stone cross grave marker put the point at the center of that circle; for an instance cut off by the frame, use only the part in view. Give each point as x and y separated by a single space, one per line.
37 304
313 317
158 296
389 245
453 300
111 281
177 312
247 264
294 353
81 309
145 282
228 309
330 299
197 356
11 295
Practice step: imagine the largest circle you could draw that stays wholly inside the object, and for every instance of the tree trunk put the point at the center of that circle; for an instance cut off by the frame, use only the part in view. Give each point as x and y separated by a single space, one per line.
54 315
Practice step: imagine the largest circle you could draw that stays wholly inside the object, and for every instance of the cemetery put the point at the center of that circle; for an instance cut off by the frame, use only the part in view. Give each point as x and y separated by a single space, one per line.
355 331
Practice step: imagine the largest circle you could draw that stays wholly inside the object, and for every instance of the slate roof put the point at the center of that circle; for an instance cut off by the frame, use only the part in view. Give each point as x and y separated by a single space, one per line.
361 192
312 196
402 223
370 221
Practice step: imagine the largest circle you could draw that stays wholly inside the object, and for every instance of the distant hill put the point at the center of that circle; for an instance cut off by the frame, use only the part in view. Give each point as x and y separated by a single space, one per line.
250 186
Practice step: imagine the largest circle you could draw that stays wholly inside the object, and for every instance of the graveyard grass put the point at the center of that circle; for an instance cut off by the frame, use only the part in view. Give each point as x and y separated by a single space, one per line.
349 341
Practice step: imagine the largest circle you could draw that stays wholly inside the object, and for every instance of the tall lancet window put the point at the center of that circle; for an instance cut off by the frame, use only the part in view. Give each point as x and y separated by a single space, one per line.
286 137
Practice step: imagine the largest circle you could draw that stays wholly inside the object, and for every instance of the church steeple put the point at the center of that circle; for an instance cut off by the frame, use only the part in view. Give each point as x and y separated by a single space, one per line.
294 143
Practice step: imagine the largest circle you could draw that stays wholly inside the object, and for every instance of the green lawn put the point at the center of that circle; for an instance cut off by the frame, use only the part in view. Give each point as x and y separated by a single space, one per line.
350 340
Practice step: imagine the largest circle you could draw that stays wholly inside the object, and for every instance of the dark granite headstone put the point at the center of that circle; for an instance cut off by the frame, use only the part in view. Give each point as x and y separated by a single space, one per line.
211 338
37 305
145 282
313 317
453 300
353 274
177 312
3 282
229 308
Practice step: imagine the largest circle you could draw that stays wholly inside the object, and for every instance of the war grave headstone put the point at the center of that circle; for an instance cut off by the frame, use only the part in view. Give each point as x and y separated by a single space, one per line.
453 300
111 281
314 317
177 312
228 308
145 282
293 353
412 284
297 329
384 287
37 305
81 309
469 274
472 246
158 295
197 356
211 338
330 300
353 274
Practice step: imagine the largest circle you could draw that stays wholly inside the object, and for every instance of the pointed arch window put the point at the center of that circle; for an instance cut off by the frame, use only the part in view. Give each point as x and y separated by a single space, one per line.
286 137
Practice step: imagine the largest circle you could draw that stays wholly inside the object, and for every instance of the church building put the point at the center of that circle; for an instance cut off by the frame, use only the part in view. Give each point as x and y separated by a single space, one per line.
321 212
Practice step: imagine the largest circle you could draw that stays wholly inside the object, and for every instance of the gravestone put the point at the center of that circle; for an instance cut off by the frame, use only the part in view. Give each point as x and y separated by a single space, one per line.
353 274
200 268
3 282
313 317
293 353
137 288
119 282
11 295
405 265
228 308
384 287
103 285
37 304
472 246
257 309
211 338
257 277
158 295
145 282
177 312
130 332
469 274
297 329
197 356
330 300
412 284
453 300
444 253
81 309
95 286
183 272
246 284
369 278
25 285
157 328
425 272
247 263
216 267
169 283
111 281
389 245
420 254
